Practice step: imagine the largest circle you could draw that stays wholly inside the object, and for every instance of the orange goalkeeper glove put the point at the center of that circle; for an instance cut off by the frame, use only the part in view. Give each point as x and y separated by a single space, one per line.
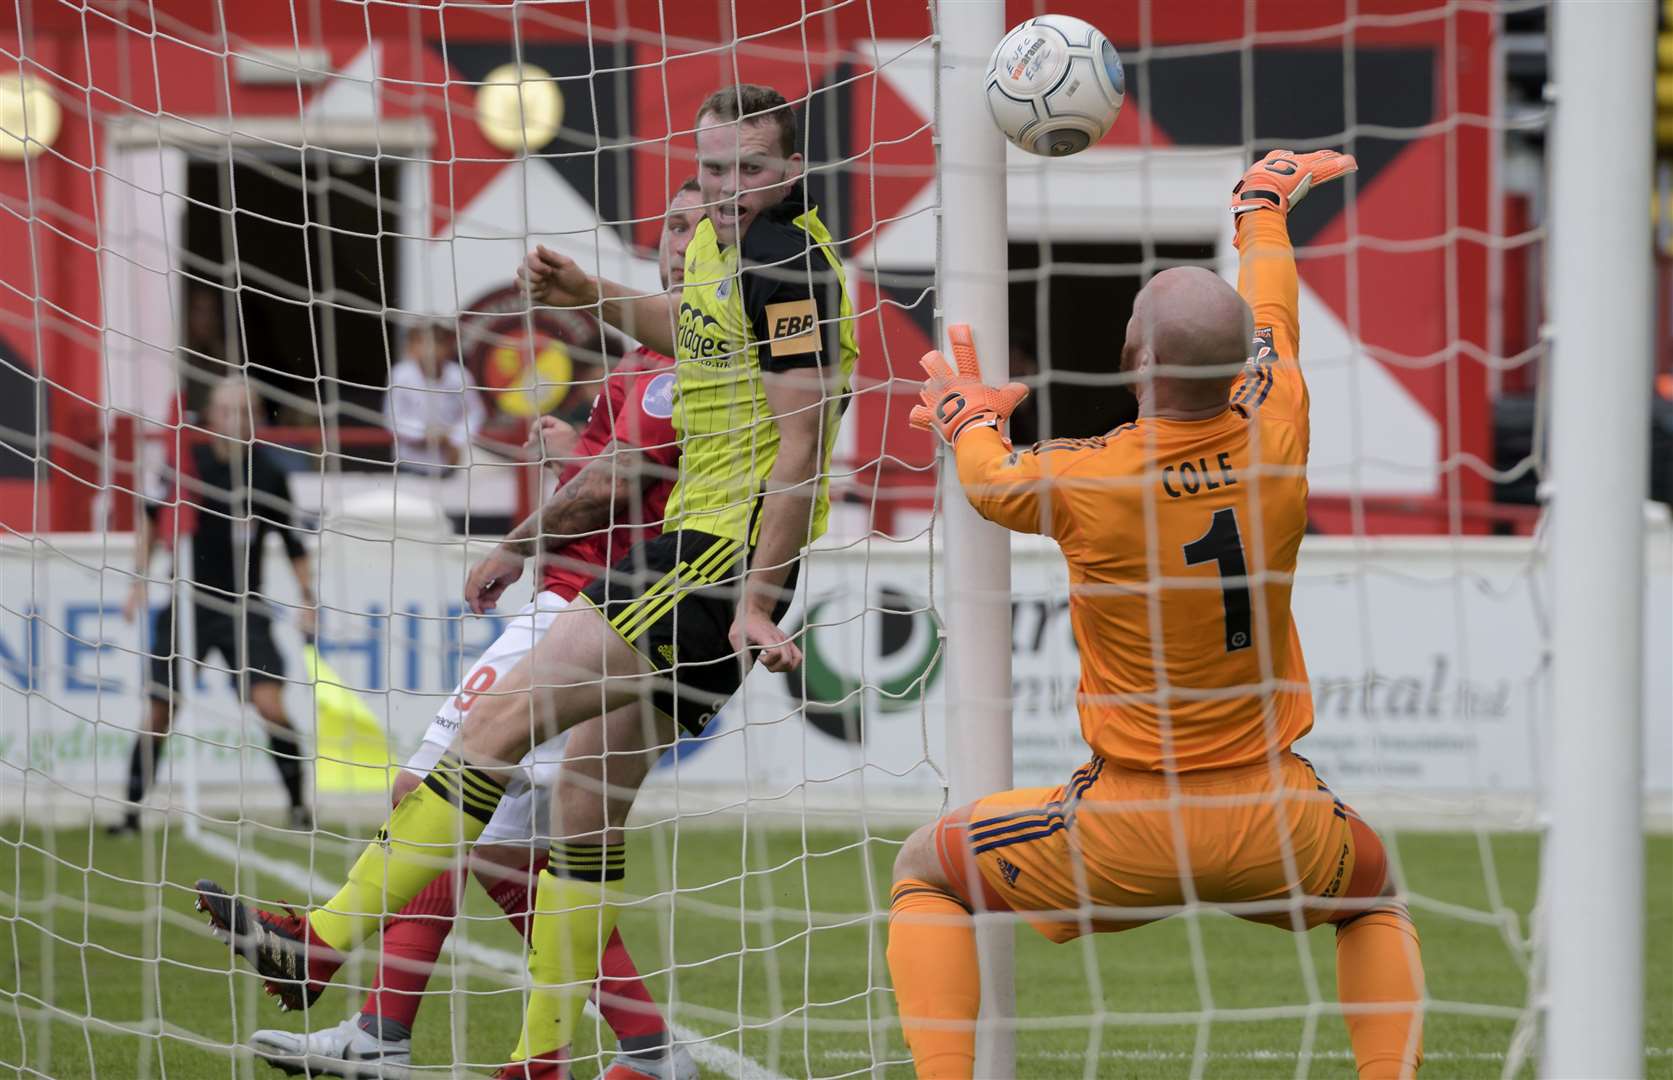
1281 179
954 401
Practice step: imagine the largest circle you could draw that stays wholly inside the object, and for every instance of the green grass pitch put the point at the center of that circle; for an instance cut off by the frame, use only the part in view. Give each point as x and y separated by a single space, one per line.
797 984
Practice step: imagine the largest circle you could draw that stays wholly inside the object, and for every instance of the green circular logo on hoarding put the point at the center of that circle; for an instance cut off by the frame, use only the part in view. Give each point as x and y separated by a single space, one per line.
882 660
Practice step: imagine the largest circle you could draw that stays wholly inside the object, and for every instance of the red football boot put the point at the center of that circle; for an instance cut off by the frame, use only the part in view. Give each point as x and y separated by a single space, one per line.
293 962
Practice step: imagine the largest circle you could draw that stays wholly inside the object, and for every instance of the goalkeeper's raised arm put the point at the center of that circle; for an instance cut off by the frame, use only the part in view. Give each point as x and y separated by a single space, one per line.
1266 274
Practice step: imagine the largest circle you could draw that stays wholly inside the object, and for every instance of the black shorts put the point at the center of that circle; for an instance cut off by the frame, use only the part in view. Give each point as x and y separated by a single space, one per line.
673 598
219 632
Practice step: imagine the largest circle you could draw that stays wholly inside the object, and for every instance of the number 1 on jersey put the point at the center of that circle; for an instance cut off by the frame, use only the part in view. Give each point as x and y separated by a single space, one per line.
1223 544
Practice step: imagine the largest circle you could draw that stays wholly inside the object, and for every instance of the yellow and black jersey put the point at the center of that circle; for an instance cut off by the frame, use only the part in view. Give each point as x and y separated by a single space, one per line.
773 302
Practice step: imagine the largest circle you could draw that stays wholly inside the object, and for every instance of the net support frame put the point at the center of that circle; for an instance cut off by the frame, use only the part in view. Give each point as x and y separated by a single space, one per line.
971 280
1599 297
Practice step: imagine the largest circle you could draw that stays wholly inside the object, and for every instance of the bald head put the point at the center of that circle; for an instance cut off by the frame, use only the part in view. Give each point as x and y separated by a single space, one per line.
1188 318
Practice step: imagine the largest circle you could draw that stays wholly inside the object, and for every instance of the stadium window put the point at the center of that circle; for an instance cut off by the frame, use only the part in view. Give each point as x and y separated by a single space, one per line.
300 250
1073 339
22 418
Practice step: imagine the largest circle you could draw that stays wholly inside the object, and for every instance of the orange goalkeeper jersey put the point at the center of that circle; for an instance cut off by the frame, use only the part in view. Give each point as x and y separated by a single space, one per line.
1181 540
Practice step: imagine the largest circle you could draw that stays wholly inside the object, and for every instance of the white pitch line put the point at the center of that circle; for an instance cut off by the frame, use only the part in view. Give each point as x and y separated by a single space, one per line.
1233 1055
703 1048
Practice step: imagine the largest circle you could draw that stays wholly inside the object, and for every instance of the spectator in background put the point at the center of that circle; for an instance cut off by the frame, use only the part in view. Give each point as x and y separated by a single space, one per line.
431 408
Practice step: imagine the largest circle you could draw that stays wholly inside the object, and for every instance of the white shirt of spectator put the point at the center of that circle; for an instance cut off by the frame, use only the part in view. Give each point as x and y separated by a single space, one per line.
422 414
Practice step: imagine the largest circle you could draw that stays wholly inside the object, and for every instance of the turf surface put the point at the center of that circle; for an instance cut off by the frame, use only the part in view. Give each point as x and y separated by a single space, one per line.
97 941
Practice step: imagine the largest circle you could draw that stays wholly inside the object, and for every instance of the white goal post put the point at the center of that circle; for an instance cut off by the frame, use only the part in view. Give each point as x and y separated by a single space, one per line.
972 278
1601 310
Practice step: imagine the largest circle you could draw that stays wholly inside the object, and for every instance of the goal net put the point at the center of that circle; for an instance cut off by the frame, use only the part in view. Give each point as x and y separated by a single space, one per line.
259 266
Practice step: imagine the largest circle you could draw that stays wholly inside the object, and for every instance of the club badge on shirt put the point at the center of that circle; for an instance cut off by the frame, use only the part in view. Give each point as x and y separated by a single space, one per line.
658 398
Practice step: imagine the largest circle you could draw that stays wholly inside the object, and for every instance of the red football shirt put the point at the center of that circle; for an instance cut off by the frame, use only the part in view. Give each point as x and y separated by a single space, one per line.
635 409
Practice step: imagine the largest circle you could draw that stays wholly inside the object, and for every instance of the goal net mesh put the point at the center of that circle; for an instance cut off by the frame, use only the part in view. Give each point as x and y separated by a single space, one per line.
331 200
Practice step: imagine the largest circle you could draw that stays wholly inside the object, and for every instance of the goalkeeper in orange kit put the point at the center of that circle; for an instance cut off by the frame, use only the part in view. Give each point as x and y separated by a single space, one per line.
1180 531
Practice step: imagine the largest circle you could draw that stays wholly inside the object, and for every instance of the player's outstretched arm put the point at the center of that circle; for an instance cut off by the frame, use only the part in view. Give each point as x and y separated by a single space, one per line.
1008 488
1013 489
307 612
1261 202
1266 277
581 506
554 279
799 399
145 542
551 441
274 505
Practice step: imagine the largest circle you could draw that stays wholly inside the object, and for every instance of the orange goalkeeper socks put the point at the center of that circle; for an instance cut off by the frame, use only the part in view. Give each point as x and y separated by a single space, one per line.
1378 964
932 959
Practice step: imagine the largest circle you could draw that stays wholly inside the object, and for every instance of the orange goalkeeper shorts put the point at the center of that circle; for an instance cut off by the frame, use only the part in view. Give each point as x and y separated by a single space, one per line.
1117 848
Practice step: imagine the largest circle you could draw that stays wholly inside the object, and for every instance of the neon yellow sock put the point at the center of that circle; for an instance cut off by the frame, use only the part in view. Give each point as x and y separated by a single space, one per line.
573 918
421 839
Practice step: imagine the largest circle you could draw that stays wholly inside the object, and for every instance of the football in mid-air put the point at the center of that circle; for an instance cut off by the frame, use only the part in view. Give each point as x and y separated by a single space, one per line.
1055 85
